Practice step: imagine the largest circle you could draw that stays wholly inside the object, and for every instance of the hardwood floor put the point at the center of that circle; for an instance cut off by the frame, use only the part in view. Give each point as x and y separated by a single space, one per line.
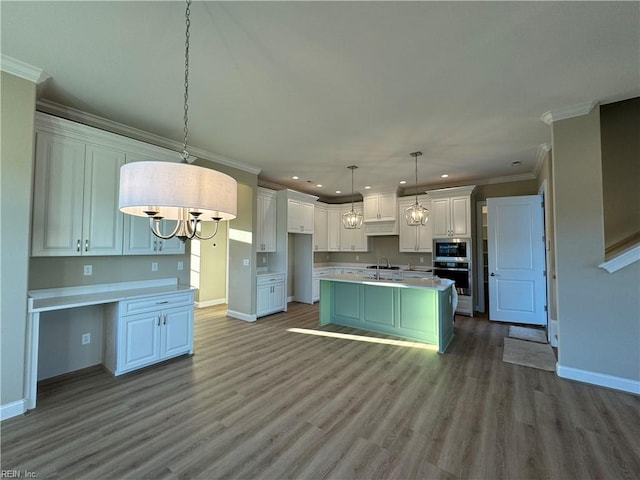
257 401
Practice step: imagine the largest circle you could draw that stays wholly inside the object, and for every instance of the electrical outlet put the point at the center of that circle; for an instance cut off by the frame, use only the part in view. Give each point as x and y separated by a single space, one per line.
421 259
264 260
88 270
86 338
245 262
180 265
154 266
357 257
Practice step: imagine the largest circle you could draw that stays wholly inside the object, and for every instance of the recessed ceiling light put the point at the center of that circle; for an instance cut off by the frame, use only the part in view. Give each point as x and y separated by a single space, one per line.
295 177
402 182
444 175
319 185
367 187
338 191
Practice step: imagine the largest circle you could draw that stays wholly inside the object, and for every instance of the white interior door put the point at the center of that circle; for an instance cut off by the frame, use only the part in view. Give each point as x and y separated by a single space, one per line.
517 282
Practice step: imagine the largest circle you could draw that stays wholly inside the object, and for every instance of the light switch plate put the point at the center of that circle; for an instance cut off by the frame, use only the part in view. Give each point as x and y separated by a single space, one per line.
88 270
245 262
154 266
180 265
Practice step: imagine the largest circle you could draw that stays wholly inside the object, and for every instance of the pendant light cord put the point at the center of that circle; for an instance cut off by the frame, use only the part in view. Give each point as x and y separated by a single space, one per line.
185 153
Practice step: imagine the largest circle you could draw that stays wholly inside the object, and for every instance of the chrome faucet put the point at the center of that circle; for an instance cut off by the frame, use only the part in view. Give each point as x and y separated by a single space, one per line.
378 266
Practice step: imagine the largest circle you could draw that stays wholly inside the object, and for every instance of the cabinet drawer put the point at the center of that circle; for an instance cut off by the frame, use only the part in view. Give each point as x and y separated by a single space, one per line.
148 304
270 279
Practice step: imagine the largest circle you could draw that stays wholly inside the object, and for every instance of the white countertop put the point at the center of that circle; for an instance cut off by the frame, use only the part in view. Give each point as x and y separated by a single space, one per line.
424 283
69 297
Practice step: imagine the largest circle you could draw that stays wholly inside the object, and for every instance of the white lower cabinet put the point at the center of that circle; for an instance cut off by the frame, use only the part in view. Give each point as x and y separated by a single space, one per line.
270 294
148 330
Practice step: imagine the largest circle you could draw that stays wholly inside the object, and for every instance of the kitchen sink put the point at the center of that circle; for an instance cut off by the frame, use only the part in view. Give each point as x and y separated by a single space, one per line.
384 268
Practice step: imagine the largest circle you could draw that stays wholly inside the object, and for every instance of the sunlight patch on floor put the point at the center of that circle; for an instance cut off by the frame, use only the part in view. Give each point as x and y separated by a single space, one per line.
363 338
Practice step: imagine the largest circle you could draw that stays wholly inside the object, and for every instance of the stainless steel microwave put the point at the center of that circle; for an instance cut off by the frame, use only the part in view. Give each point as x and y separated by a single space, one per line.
452 249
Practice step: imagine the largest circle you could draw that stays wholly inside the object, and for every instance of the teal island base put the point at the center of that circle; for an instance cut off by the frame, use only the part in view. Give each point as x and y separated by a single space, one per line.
416 310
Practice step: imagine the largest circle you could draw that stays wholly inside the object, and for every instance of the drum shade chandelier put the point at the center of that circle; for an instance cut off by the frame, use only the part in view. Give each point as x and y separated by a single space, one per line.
182 192
416 215
352 219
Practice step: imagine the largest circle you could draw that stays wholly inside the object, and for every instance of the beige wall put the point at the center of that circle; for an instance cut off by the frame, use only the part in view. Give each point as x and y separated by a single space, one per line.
620 136
598 312
16 167
213 265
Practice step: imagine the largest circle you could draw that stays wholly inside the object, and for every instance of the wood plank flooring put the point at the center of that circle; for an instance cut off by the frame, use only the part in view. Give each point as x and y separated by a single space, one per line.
257 401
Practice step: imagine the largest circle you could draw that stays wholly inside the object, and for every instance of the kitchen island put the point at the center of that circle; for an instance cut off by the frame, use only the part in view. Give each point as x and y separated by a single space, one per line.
419 309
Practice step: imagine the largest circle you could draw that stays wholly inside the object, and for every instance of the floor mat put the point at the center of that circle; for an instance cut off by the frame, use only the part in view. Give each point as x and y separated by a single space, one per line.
527 333
529 354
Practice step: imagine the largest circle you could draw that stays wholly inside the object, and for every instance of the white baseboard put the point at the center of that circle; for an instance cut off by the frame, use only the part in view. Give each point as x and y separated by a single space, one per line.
12 409
600 379
210 303
241 316
290 299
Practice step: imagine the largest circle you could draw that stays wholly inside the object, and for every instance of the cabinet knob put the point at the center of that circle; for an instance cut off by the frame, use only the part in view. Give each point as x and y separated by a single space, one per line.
158 320
78 246
164 322
155 245
86 245
160 246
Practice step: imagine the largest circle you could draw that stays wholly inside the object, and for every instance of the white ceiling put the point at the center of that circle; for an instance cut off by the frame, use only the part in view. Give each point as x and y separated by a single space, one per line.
308 88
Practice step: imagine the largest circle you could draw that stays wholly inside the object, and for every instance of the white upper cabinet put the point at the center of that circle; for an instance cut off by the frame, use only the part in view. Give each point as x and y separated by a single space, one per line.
380 207
75 205
299 216
320 228
76 186
334 226
451 212
413 238
266 210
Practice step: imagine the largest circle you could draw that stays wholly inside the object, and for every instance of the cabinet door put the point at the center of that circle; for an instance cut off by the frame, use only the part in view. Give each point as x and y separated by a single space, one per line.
102 220
320 232
58 196
371 210
407 234
177 332
269 224
277 298
293 216
440 217
139 343
306 217
387 203
460 217
263 299
138 239
425 237
334 226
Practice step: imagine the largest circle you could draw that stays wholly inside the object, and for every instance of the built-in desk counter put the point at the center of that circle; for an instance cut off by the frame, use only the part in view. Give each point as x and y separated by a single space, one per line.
415 308
145 322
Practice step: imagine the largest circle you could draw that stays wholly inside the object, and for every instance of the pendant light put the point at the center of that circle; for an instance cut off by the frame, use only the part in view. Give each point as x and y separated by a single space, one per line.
352 219
182 192
416 215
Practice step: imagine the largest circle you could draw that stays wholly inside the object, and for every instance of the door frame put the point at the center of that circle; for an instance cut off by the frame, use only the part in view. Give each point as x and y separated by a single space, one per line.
480 305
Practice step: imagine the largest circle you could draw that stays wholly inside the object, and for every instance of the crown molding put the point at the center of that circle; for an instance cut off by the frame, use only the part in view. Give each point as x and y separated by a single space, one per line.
23 70
568 112
85 118
541 154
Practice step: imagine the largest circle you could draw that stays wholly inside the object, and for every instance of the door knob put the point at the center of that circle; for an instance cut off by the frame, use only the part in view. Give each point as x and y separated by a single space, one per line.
493 274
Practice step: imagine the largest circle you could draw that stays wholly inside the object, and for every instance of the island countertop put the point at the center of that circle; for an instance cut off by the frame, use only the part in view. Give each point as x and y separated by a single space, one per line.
430 283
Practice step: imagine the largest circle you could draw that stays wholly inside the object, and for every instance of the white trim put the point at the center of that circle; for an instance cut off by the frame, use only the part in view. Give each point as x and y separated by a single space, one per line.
79 116
541 153
12 409
621 260
211 303
568 112
241 316
599 379
291 299
23 70
552 332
